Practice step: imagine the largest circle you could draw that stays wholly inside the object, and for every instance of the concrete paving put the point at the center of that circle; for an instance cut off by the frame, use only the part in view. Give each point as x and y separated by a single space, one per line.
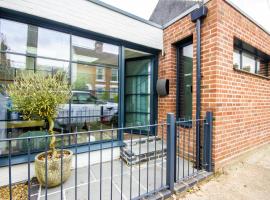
133 181
245 178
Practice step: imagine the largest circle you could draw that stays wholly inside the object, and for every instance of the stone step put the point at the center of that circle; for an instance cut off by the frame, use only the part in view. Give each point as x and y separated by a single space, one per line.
143 150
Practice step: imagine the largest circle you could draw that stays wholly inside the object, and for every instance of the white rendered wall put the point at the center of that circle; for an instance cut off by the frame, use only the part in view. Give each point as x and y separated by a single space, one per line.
93 17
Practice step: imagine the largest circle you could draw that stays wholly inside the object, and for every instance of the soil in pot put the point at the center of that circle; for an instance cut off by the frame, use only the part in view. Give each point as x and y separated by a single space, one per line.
53 167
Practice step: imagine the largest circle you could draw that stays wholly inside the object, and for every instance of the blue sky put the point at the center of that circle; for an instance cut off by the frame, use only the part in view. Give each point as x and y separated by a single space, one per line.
259 10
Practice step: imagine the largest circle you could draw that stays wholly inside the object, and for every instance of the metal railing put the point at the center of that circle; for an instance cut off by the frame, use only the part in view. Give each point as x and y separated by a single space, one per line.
158 156
187 155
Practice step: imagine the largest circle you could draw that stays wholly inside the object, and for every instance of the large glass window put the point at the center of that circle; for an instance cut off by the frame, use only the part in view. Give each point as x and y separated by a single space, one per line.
90 65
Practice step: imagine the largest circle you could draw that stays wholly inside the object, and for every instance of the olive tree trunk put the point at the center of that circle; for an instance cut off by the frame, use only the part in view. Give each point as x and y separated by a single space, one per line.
52 143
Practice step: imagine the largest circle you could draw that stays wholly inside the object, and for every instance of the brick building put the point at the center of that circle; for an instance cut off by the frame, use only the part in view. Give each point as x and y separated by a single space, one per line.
235 83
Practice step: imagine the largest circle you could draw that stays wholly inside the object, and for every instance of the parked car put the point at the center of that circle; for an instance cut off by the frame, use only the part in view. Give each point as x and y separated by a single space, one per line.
86 107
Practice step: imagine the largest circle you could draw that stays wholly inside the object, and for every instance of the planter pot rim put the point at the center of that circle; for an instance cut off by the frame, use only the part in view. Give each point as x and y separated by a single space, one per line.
64 158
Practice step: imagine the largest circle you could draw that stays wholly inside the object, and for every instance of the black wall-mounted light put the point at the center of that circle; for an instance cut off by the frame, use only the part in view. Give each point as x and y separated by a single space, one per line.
162 87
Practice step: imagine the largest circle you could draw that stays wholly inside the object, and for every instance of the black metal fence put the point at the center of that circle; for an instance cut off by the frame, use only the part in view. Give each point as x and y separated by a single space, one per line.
152 163
188 152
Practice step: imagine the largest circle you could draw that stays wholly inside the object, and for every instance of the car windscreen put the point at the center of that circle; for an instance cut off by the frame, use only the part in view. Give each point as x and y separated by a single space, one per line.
83 98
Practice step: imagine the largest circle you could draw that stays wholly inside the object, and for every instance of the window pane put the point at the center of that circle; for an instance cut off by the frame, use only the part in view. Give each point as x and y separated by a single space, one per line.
53 44
12 64
137 89
236 59
114 76
13 36
49 66
94 52
11 123
100 74
248 63
139 67
188 51
92 73
262 67
93 105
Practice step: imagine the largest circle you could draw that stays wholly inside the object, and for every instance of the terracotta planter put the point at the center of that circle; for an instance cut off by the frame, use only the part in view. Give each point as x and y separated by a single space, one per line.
53 168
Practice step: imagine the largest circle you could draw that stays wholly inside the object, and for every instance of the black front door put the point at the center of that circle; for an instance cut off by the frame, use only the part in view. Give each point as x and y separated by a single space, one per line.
184 81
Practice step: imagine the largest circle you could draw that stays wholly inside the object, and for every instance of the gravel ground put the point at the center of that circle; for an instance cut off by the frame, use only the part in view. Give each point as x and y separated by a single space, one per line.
246 179
19 192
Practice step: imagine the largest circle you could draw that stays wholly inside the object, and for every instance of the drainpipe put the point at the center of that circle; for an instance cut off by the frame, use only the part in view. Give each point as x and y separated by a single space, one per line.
197 17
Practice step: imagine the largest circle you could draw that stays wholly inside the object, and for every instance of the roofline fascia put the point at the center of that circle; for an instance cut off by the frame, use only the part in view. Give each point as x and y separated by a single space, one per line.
110 7
247 16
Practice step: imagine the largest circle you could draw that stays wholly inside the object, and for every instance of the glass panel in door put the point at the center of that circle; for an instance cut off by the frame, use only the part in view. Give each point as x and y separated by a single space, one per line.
137 91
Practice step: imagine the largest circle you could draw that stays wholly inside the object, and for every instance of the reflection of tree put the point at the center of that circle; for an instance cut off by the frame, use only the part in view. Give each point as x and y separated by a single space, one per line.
106 95
115 99
6 72
81 82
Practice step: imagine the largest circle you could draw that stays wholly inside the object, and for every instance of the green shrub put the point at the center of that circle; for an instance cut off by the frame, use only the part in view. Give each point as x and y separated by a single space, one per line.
38 96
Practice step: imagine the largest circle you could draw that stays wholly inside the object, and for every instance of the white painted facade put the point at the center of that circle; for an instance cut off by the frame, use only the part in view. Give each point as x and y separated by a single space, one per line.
91 16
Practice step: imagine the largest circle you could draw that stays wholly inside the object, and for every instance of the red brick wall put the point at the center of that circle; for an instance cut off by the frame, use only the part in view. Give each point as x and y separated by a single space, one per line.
240 101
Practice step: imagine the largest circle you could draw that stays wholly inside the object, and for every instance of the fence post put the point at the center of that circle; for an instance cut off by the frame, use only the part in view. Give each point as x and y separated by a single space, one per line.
171 142
208 128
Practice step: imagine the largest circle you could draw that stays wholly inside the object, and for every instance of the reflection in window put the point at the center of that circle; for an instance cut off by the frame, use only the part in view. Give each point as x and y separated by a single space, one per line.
114 75
93 104
53 44
94 52
137 88
114 94
12 65
49 66
100 92
236 59
249 62
13 36
100 74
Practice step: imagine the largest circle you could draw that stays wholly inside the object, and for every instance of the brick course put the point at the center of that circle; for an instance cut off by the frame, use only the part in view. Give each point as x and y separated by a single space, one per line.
240 101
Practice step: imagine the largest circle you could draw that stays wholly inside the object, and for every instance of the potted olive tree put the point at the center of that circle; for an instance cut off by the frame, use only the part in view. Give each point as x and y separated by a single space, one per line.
38 96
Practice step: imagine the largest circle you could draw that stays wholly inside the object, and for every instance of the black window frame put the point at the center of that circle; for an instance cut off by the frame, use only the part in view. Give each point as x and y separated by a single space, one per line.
257 54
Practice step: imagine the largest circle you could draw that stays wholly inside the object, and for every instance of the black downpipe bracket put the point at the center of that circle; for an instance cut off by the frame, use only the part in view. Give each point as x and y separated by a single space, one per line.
197 17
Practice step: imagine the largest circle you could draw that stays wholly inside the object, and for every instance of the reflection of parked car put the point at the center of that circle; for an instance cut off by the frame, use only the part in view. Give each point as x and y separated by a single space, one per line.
85 107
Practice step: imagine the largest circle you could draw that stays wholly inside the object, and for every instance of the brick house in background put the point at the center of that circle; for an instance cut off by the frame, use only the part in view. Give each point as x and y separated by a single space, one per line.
235 70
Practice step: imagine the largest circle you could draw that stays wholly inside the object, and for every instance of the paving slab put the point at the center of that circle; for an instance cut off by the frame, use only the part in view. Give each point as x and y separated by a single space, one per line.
134 180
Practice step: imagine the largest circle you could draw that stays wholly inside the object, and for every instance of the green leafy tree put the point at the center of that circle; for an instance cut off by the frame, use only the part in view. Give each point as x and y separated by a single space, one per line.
38 96
81 82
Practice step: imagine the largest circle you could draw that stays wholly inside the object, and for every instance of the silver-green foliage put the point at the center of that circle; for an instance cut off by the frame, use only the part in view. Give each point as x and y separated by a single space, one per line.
38 96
